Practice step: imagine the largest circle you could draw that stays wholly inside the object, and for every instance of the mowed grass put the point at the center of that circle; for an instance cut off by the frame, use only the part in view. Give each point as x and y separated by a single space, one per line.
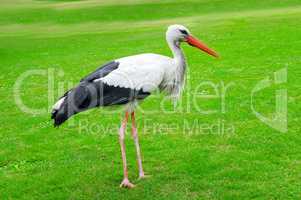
225 154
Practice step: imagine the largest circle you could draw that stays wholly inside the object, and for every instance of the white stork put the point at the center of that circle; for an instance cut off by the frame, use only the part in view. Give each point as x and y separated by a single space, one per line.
126 81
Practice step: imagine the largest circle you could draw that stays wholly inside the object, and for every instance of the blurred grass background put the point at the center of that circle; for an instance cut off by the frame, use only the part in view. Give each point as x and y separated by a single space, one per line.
81 160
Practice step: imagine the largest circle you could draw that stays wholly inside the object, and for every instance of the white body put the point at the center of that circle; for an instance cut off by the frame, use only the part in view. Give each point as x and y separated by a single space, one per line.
147 72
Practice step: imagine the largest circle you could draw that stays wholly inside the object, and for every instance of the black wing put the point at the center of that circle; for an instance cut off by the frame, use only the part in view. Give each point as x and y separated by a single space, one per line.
101 71
89 95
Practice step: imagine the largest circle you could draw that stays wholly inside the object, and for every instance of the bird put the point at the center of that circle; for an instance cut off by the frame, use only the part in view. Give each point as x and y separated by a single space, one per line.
127 81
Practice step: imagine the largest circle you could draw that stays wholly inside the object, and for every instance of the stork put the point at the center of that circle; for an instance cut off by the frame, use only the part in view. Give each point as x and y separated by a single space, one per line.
126 81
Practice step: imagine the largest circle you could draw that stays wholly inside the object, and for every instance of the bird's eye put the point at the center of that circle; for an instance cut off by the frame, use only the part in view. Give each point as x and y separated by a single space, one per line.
184 32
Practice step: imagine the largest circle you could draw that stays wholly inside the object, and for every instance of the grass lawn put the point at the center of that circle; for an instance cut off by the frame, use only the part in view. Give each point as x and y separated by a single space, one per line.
227 153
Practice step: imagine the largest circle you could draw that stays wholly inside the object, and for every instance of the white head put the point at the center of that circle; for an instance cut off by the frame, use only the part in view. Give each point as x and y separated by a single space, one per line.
176 34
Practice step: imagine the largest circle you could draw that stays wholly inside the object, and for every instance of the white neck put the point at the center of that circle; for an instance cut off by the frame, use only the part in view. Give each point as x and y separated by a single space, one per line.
177 52
178 57
180 65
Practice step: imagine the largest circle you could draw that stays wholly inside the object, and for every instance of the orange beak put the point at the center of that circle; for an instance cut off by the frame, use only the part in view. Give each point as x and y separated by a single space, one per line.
198 44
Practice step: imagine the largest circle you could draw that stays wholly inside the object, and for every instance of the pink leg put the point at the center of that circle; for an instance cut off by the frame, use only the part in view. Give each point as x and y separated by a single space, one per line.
125 183
135 137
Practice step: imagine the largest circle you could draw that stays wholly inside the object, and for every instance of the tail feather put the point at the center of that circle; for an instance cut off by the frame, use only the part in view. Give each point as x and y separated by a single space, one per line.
70 104
59 114
59 117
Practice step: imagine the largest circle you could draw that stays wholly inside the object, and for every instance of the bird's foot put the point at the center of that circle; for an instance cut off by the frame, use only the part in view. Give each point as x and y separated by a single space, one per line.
126 184
143 176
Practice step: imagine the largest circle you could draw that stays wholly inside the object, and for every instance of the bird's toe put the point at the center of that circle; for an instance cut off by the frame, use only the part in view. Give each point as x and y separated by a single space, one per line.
126 184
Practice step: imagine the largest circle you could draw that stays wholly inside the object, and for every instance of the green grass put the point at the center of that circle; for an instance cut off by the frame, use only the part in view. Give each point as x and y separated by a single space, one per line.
255 38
